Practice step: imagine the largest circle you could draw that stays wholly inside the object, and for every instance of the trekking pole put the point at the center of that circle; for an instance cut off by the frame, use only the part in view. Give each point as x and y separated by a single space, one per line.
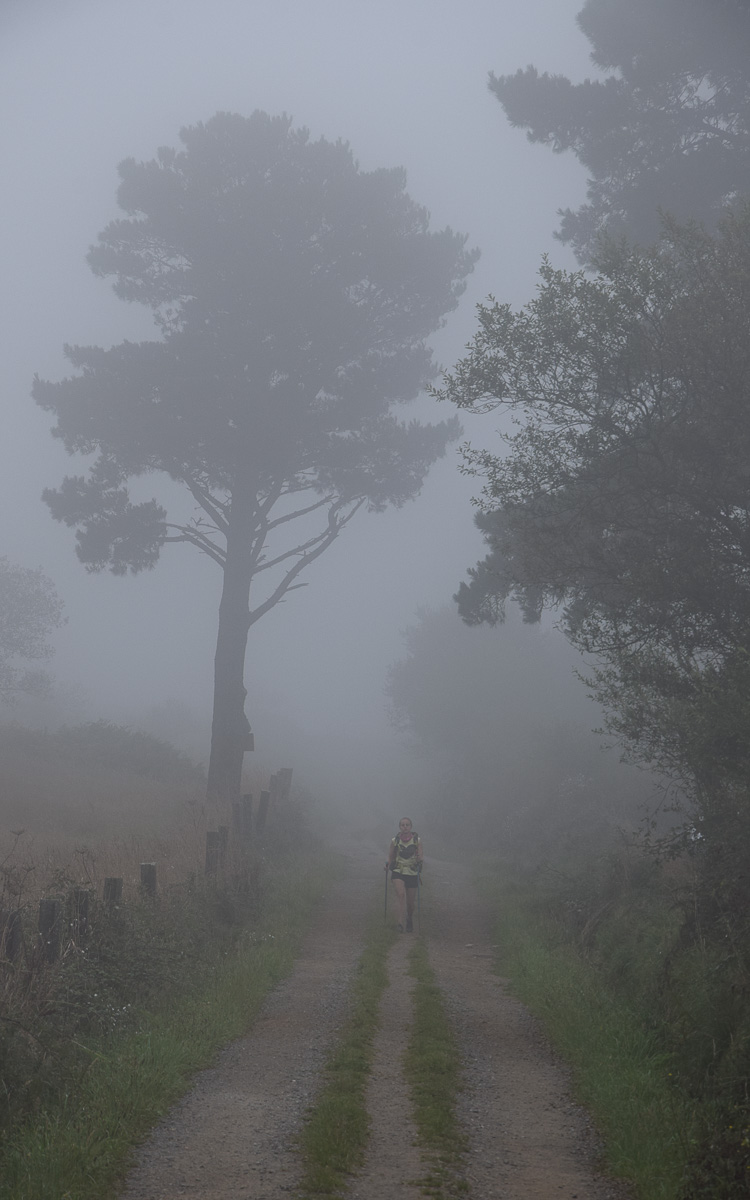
385 904
419 906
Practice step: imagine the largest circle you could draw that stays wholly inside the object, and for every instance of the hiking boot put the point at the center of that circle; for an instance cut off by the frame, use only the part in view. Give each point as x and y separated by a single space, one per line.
409 928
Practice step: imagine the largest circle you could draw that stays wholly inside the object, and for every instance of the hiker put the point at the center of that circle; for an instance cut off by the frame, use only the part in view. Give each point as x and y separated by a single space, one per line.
405 863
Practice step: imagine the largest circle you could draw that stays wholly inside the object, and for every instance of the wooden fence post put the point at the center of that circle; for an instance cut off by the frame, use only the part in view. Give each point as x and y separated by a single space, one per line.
260 820
274 788
112 892
11 934
285 779
223 845
50 923
242 817
78 913
213 848
148 879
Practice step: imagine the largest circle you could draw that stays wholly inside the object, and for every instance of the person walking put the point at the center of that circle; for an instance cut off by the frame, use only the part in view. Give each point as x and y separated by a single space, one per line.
405 864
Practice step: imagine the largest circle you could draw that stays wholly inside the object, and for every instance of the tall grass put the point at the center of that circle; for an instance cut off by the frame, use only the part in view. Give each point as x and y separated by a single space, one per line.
433 1069
622 1071
335 1135
78 1145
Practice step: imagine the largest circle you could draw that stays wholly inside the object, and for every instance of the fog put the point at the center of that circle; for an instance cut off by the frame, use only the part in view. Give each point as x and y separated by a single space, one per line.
88 83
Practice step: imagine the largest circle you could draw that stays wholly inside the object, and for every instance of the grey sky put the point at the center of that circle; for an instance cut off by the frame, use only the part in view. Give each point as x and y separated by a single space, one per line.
85 84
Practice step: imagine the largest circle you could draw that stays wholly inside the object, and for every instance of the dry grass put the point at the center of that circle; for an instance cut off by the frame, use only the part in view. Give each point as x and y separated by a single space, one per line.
74 812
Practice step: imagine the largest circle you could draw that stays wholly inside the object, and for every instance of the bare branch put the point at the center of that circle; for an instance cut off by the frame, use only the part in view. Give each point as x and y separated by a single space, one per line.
199 540
300 512
215 509
335 525
301 549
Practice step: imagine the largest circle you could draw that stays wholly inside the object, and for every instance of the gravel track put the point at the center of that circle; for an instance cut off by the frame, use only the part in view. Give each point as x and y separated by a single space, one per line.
232 1137
392 1157
529 1139
234 1134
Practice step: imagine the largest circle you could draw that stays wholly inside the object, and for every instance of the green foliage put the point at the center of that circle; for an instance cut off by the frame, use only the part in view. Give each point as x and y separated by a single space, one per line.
97 1049
337 1126
650 1007
623 499
433 1068
667 129
621 1071
130 958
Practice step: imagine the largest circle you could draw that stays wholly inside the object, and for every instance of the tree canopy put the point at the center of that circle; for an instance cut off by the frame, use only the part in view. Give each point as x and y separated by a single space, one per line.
623 498
669 126
30 609
294 296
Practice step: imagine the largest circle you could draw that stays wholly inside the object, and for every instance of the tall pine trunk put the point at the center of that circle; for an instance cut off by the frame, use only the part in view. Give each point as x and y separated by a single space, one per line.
230 727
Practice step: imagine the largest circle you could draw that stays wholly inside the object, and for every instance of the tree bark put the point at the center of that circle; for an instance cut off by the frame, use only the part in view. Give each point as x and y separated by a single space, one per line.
230 726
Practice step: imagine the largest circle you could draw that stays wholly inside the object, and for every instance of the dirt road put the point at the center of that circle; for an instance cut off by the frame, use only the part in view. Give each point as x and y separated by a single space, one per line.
232 1137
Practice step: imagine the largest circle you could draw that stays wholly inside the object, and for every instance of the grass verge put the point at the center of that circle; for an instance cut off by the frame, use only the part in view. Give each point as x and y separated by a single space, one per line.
336 1129
80 1147
621 1074
433 1068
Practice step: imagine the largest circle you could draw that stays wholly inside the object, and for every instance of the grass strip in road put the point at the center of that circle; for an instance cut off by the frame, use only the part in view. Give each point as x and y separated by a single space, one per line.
335 1135
620 1073
80 1148
433 1070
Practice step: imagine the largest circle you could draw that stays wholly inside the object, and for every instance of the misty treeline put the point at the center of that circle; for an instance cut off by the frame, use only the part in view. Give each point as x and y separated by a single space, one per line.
667 128
621 498
294 295
30 609
506 749
619 501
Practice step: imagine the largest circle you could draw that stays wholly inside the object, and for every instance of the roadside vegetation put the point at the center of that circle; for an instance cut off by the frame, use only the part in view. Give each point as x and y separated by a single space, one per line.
336 1130
651 1007
433 1070
335 1136
96 1046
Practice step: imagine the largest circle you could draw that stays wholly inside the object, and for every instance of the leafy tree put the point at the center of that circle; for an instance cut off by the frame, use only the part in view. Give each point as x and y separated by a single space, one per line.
669 126
29 610
623 498
294 294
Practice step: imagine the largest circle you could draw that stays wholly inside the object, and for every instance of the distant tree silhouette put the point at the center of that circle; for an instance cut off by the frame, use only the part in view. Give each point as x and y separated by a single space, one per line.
669 128
294 294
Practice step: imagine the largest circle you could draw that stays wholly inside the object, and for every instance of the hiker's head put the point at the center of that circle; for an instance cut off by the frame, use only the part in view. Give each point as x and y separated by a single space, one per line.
404 825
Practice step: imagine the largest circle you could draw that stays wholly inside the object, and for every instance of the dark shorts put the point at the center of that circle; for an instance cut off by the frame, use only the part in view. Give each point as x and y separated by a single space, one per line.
409 881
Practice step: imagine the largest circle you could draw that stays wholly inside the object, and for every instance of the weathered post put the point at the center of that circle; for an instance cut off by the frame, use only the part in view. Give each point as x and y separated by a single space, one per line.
246 803
223 845
78 913
274 788
242 817
112 892
50 927
11 934
148 880
213 847
260 820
